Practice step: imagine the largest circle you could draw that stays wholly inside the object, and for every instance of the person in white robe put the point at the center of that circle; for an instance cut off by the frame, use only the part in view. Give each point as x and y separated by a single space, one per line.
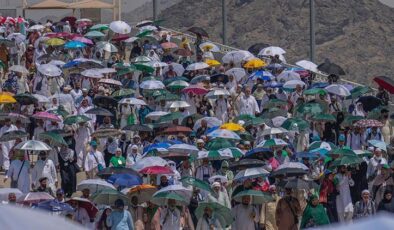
219 195
208 221
344 199
44 167
82 111
247 103
245 215
93 159
221 109
38 129
20 171
170 217
7 145
133 155
124 113
82 138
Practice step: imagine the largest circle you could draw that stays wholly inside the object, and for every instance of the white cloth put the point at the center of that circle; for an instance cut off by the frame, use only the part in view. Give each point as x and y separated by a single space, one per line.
344 199
221 107
6 146
90 160
374 165
207 223
204 170
248 105
24 177
355 141
44 169
132 158
82 138
243 217
170 219
82 216
221 197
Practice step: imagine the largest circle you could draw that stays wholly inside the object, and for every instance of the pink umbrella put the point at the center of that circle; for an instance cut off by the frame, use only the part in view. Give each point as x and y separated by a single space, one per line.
156 170
169 45
195 89
84 40
368 123
46 116
34 197
120 37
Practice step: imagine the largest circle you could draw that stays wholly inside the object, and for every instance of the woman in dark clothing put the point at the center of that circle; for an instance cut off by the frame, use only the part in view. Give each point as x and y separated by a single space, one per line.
68 170
387 204
360 181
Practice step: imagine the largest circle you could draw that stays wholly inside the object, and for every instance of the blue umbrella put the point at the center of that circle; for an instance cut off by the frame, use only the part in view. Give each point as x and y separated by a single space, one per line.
319 85
74 45
261 74
273 85
378 144
71 64
259 150
125 180
307 155
54 206
155 146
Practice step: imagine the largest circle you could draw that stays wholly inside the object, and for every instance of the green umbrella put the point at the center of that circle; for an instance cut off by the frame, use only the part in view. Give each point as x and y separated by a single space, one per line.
256 121
94 34
350 119
342 152
108 197
245 136
162 198
324 117
244 117
123 93
224 153
124 71
25 99
274 112
220 212
144 33
150 78
311 108
99 27
191 181
258 197
359 91
315 91
295 124
54 137
171 79
75 119
13 135
347 160
177 85
143 68
138 128
167 97
321 144
59 111
170 117
274 103
219 143
194 117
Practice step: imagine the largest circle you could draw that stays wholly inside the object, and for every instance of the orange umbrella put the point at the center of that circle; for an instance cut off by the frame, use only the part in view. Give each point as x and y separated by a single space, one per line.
144 192
233 127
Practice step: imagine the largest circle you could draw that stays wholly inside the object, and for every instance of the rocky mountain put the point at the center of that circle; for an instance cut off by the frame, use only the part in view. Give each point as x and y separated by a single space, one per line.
356 34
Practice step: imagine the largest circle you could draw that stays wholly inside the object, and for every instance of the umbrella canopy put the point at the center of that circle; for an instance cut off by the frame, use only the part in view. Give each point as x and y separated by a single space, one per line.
108 197
148 162
386 83
19 69
49 70
251 173
179 104
238 73
216 93
33 145
338 90
331 68
225 153
322 145
378 144
5 191
291 169
254 63
34 198
197 66
138 128
86 204
105 101
177 85
99 27
233 127
46 116
132 101
272 51
100 111
125 180
311 108
315 91
191 181
74 119
109 171
13 135
162 199
272 143
324 117
176 189
347 160
370 103
209 46
144 192
25 99
258 197
257 47
359 91
297 183
246 163
152 84
120 27
219 143
123 93
6 98
104 133
55 206
94 34
220 212
183 148
55 42
308 65
156 170
286 76
74 45
364 123
94 185
273 131
211 122
292 84
195 89
107 46
92 73
54 137
224 133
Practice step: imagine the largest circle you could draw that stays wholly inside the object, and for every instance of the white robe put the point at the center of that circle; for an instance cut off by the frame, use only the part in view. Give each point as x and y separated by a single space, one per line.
82 138
44 169
205 224
24 177
221 107
170 220
242 217
6 146
344 200
248 105
90 160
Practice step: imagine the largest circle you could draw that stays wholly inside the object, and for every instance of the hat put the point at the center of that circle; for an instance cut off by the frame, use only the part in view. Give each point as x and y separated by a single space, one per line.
200 141
59 191
136 136
67 87
85 90
365 191
93 143
118 149
341 137
42 179
215 184
134 147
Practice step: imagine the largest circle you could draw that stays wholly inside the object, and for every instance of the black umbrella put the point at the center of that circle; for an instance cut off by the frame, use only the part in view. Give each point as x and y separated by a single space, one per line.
223 78
255 48
107 172
298 183
105 102
331 68
138 128
25 99
289 172
246 163
370 102
100 111
198 30
13 135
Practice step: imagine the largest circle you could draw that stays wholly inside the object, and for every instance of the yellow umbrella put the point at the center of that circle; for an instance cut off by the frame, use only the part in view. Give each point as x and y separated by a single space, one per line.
55 42
254 63
212 63
232 127
5 98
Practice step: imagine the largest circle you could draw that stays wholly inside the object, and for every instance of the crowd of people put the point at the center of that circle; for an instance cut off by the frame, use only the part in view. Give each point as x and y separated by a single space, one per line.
143 128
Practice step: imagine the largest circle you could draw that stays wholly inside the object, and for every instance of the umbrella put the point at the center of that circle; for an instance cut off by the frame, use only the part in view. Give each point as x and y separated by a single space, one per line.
216 93
338 90
297 183
86 204
155 115
322 145
132 101
144 192
275 103
255 48
209 46
13 135
212 62
107 172
311 108
54 137
178 68
258 197
324 117
314 91
74 45
123 93
272 143
251 173
108 197
254 63
170 117
286 76
368 123
100 112
6 98
148 162
74 119
219 143
94 185
152 84
168 45
33 145
99 27
156 64
19 69
308 65
291 169
179 104
347 160
138 128
46 116
219 212
177 85
223 133
92 73
104 133
378 144
107 46
49 70
273 131
233 127
191 181
34 197
54 206
211 122
350 119
162 199
359 91
278 121
156 170
222 78
176 189
331 68
55 42
120 27
200 78
292 84
197 66
225 153
25 99
238 73
271 51
105 101
125 180
198 30
386 83
41 98
94 34
4 192
370 102
195 89
36 27
246 163
183 148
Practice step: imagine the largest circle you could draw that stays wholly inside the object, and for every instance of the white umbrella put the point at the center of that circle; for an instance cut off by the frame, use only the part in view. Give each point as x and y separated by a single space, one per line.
110 81
215 93
152 84
339 90
293 83
177 189
211 122
148 162
278 121
33 145
92 73
178 68
5 191
156 64
308 65
107 70
41 98
183 148
271 51
18 37
36 27
57 63
179 104
131 40
286 76
220 178
251 173
273 131
132 101
197 66
212 47
238 73
155 115
19 69
107 46
94 185
236 56
142 59
120 27
49 70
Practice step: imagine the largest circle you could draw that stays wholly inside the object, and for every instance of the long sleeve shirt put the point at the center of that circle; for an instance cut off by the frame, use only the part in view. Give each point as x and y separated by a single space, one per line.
91 162
120 220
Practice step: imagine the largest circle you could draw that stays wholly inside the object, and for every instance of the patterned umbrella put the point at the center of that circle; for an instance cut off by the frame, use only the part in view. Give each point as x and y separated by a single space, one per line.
195 89
368 123
156 170
34 197
272 143
291 169
226 153
144 192
251 173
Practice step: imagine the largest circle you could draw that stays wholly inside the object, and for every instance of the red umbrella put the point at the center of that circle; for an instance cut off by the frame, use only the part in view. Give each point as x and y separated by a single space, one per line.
386 83
195 89
120 37
368 123
168 45
178 129
86 204
156 170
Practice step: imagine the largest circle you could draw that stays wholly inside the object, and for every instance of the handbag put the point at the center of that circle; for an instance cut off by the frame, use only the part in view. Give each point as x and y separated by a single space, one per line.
99 165
14 183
